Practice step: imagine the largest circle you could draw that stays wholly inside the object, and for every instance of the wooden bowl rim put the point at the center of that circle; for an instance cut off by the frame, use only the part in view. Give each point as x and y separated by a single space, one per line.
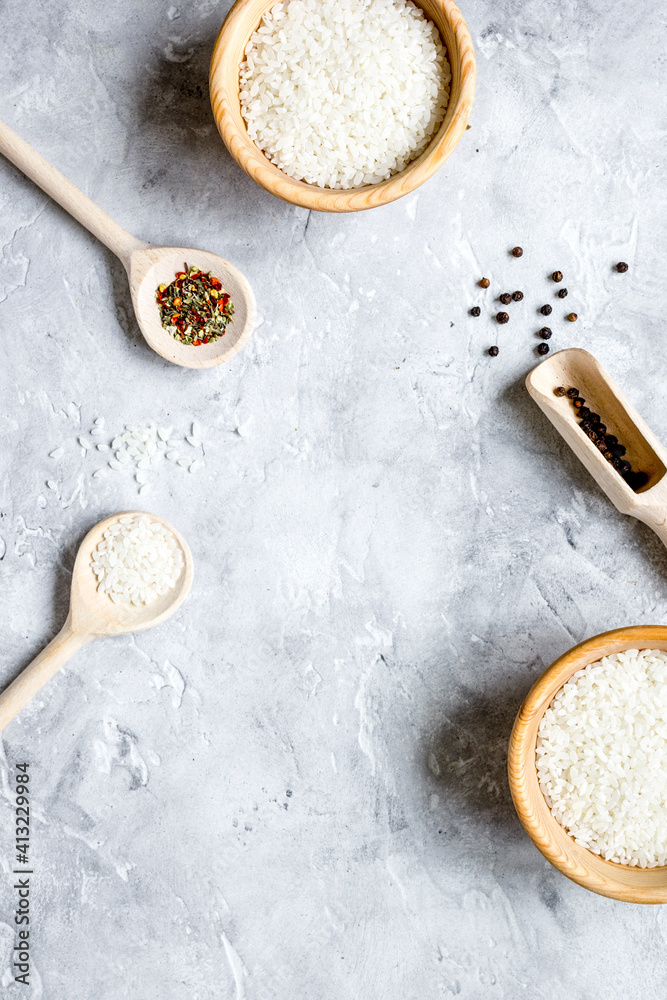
272 179
621 882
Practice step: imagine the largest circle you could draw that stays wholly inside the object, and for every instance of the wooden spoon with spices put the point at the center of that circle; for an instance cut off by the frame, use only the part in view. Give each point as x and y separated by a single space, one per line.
93 614
573 369
147 266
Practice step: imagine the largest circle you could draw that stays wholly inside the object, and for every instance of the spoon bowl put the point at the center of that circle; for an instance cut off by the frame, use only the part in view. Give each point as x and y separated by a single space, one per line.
93 614
150 267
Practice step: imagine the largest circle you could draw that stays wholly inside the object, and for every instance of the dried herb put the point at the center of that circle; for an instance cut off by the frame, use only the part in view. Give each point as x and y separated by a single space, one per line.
194 307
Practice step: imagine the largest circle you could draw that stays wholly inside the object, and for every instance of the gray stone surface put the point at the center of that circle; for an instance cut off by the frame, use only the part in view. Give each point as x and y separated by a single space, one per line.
296 787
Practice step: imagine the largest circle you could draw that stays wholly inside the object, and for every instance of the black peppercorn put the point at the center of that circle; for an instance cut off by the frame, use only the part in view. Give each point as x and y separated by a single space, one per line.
546 310
562 293
542 348
505 298
475 311
493 351
517 252
560 390
601 429
484 283
621 267
595 417
572 317
636 479
592 435
557 276
517 296
573 393
502 317
625 467
611 440
578 403
608 455
617 464
619 450
584 412
545 333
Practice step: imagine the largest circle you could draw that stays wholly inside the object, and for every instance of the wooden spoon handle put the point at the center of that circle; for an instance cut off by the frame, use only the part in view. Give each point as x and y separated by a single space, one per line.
36 674
67 195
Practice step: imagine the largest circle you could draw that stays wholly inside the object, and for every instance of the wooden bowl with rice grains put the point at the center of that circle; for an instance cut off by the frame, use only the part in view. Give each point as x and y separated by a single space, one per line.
601 728
448 123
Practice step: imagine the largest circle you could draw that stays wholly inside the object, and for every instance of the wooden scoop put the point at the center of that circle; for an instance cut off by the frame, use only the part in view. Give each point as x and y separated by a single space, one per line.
147 266
575 368
93 614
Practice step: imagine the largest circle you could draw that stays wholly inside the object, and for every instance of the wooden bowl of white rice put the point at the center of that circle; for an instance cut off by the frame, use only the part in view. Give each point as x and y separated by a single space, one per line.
342 105
588 764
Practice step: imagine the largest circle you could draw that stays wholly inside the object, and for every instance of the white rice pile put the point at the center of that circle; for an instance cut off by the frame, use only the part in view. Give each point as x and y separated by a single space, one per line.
137 560
602 757
342 93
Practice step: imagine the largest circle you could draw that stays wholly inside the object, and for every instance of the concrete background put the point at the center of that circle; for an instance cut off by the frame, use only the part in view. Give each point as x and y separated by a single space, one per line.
295 788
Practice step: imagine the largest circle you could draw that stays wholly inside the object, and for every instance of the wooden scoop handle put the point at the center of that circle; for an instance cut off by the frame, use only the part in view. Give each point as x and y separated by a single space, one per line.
33 678
67 195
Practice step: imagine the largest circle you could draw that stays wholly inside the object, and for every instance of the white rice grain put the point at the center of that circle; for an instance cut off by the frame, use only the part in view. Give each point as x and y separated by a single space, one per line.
137 560
344 93
601 757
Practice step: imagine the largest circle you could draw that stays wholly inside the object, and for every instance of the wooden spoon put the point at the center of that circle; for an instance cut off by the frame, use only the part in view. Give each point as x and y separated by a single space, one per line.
575 368
147 266
93 614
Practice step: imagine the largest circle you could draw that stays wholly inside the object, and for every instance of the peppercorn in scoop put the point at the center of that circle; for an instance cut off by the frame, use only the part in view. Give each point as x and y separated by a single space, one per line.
194 307
607 444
